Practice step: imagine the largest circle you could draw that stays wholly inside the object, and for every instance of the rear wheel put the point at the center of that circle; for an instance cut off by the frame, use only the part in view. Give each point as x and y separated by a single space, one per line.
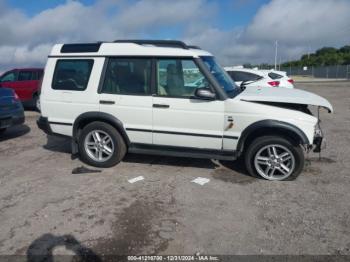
101 145
36 102
274 158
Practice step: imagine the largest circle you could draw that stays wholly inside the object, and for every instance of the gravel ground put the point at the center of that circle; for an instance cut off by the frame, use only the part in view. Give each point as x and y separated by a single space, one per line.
44 208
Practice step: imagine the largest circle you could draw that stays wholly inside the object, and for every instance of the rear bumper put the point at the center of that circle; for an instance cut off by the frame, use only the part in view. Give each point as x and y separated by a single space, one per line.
12 120
43 124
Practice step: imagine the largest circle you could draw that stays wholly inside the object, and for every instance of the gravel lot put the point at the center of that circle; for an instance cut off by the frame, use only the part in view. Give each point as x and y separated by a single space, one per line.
45 208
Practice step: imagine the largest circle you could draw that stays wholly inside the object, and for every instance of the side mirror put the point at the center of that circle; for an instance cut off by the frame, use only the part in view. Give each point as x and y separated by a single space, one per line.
205 94
243 85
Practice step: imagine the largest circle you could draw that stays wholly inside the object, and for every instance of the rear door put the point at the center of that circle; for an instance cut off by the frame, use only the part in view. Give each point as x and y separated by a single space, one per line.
126 94
179 119
25 85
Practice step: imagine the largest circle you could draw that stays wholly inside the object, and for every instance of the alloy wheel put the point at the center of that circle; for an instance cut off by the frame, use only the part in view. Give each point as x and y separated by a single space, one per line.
274 162
99 145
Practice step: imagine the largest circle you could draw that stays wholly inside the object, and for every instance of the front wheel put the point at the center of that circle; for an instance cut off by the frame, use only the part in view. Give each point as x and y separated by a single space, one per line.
101 145
274 158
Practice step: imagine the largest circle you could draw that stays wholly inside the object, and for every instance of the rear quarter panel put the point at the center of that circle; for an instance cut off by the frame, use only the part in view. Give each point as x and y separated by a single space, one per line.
64 106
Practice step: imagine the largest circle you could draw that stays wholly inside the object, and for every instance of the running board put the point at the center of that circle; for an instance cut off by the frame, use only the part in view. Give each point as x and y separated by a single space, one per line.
175 151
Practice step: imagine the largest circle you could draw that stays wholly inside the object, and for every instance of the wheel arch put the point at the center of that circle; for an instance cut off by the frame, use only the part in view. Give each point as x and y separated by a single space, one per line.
88 117
270 127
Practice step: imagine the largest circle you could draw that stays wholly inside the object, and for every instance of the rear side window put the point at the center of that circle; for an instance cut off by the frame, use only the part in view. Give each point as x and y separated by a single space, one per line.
240 76
37 75
72 74
9 77
128 76
25 76
275 76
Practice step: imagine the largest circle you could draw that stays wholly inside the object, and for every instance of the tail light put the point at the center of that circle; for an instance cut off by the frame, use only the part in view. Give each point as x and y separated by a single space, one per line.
16 96
290 80
274 83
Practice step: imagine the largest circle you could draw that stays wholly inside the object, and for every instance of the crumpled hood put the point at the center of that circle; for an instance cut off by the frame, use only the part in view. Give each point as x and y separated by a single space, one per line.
284 95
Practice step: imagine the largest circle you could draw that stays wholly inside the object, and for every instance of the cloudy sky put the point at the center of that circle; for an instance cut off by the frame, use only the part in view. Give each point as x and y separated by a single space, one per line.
236 31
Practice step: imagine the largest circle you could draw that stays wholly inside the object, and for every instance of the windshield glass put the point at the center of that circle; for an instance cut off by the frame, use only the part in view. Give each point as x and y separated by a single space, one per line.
221 76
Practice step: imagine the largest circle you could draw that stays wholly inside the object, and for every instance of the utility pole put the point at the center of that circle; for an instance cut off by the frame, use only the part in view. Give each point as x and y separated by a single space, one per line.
279 64
276 47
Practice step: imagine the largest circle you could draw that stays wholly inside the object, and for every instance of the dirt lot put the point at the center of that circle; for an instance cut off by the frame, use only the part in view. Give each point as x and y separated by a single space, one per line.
45 208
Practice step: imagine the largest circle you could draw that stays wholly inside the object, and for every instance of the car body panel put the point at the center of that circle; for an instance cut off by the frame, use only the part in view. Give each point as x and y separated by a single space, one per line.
11 109
292 96
25 89
244 113
74 103
283 78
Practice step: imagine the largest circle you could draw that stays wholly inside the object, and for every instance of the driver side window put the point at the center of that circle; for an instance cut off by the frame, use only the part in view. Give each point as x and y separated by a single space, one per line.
179 78
71 74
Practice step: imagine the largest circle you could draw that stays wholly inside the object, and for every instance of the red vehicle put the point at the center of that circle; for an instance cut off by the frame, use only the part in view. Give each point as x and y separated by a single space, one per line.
26 83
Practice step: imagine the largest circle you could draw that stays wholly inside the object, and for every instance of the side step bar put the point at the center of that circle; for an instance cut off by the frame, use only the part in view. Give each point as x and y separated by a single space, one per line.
181 152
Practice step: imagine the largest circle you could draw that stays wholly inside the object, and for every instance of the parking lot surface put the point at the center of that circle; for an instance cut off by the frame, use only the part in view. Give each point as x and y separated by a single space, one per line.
44 208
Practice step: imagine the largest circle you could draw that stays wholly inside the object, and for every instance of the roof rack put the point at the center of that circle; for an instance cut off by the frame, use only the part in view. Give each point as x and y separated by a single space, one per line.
160 43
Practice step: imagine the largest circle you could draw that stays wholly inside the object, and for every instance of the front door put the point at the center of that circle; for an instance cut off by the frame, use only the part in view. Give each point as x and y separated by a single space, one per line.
180 119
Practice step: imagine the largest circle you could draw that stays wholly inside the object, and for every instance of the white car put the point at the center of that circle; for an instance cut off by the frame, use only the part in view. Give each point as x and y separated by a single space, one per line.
251 77
281 76
138 96
259 78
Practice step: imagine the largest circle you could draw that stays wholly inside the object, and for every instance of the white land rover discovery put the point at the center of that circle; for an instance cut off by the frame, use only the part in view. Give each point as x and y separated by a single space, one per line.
143 96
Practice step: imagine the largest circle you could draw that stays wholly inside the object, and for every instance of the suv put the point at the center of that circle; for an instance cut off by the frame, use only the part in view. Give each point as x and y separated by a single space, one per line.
139 96
26 83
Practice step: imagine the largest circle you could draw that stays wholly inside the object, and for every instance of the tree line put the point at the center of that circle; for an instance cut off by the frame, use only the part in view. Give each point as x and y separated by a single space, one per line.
323 57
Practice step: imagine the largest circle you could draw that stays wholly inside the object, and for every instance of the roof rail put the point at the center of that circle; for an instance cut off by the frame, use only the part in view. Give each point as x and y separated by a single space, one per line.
160 43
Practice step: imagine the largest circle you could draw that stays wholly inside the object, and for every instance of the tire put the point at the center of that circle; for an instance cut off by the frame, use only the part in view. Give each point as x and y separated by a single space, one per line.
36 103
2 130
261 158
89 151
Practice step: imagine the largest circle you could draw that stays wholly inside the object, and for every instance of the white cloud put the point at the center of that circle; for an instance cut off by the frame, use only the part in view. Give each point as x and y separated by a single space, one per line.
153 14
297 25
298 22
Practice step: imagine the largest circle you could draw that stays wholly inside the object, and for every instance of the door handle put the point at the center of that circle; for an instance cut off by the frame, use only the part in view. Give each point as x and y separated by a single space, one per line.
160 106
107 102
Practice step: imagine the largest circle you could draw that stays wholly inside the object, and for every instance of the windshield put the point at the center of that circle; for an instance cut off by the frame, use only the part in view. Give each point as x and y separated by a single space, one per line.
221 76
